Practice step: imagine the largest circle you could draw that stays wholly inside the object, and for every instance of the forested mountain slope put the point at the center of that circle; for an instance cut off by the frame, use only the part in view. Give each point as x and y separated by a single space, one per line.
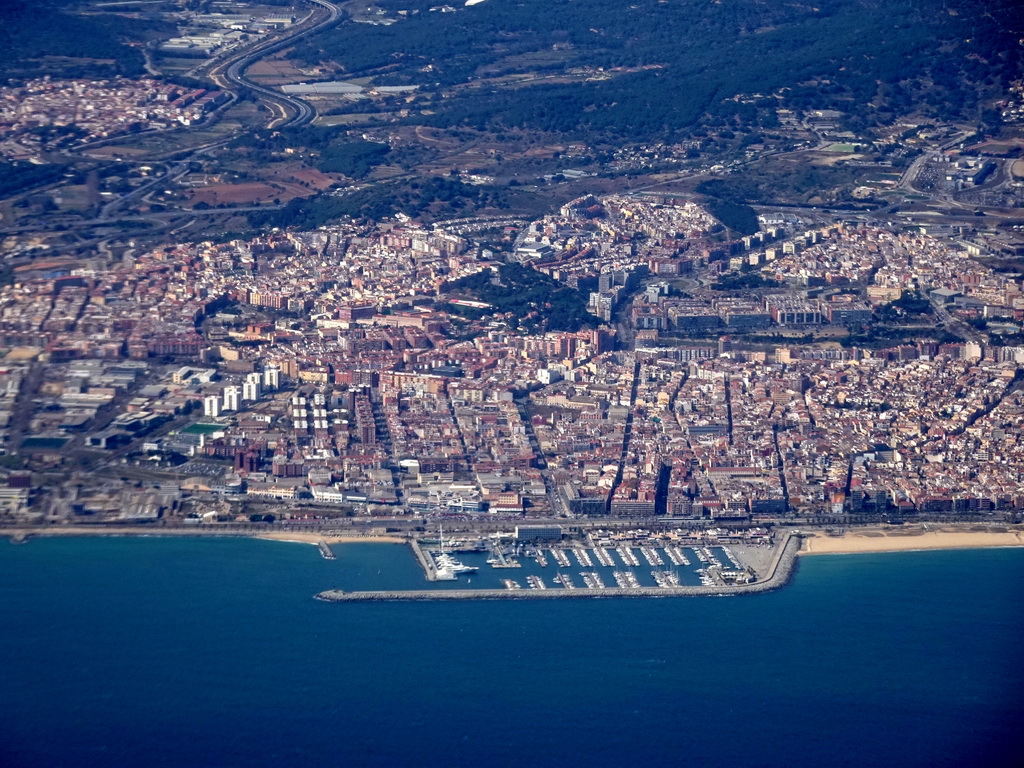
650 68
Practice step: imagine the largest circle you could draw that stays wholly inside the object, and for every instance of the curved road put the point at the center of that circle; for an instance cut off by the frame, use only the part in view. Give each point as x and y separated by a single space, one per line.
289 111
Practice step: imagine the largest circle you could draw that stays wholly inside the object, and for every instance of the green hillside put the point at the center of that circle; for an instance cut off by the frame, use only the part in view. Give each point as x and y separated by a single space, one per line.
653 68
66 38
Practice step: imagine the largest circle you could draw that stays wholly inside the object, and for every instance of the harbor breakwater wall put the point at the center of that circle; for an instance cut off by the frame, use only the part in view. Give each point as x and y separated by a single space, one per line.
426 562
779 572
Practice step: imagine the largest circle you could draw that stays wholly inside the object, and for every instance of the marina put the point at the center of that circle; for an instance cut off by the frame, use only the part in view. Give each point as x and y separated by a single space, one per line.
665 579
609 562
603 557
630 564
626 580
628 558
732 558
651 556
583 557
628 583
499 559
561 558
676 556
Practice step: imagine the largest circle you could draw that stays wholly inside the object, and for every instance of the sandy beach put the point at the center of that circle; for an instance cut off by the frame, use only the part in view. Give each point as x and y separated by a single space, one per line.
293 536
882 539
903 539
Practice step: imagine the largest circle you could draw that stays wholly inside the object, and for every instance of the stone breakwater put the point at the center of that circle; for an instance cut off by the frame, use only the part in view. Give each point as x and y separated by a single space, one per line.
426 563
780 571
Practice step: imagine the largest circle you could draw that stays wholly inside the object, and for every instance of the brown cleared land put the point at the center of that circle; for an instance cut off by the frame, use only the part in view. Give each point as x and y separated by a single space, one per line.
352 119
317 180
233 194
997 146
278 71
41 265
115 150
284 184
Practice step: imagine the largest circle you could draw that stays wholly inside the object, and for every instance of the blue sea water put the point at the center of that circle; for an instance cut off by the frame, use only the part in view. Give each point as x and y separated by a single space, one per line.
211 652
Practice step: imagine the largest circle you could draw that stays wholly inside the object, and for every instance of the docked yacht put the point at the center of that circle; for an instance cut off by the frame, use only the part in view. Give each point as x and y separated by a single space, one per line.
446 567
444 574
446 562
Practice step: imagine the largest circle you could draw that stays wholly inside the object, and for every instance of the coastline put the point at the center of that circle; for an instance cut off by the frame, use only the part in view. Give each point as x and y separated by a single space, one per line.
906 540
861 540
881 539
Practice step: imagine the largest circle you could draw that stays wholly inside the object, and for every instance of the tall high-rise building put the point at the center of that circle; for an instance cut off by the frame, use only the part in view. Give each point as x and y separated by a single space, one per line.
251 387
602 339
271 377
246 461
211 406
231 395
972 351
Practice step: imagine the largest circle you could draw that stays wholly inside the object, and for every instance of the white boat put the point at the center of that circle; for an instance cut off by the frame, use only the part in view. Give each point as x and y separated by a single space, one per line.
446 562
444 574
447 565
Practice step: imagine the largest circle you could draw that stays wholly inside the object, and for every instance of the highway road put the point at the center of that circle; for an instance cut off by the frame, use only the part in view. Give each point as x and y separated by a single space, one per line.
910 175
155 219
956 326
229 74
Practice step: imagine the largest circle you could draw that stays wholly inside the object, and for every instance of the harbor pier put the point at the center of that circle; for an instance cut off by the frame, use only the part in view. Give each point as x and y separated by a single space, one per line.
424 559
503 561
325 551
